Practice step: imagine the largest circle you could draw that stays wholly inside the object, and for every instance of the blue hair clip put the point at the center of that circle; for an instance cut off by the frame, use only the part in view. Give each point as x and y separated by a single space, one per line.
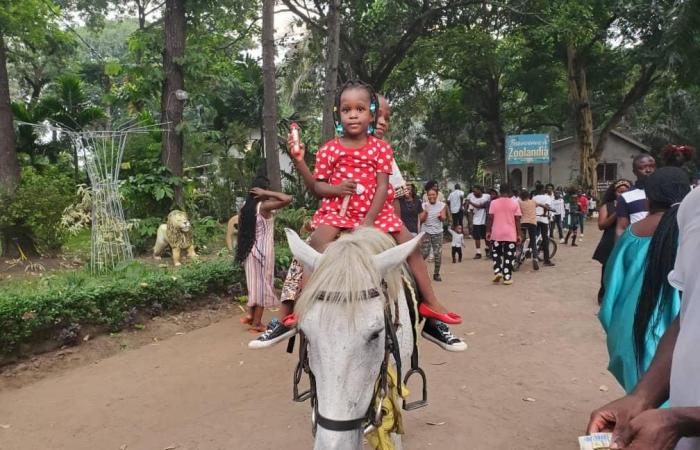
339 128
371 129
373 107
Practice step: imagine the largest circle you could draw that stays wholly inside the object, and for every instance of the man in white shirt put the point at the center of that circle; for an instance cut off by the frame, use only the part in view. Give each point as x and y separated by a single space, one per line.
635 420
480 202
544 205
455 200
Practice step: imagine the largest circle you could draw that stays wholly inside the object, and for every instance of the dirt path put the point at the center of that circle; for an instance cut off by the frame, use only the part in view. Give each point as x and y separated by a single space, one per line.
537 339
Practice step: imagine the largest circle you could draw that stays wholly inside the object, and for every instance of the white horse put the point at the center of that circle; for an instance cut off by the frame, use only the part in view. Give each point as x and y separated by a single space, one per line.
341 313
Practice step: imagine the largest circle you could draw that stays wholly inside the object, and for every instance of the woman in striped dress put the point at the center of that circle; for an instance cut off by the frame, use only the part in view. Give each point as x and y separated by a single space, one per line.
256 249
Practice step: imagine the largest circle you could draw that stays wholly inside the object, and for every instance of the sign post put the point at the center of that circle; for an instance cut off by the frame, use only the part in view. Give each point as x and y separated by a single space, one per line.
528 149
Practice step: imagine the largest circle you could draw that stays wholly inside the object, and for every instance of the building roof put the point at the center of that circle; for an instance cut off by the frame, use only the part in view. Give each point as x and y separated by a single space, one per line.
624 137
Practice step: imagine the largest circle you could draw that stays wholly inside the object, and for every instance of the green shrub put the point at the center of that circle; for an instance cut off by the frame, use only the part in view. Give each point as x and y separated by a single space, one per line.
32 311
142 233
290 218
207 230
38 204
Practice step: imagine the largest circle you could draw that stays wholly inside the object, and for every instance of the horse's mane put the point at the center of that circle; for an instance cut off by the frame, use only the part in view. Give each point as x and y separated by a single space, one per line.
346 272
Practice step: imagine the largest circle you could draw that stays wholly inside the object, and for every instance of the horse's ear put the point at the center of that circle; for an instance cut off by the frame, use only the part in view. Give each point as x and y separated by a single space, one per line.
395 256
302 251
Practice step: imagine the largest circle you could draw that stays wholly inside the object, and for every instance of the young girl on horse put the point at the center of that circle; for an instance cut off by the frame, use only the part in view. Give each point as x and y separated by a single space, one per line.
255 249
355 144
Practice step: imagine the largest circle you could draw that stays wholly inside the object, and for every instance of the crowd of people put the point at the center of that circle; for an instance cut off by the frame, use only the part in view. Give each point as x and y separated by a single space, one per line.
651 234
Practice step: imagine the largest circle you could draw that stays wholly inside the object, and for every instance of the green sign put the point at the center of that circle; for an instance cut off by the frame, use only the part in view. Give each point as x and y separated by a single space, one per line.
527 149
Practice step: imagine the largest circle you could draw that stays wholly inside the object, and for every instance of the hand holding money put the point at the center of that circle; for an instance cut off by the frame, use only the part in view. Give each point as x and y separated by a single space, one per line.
595 441
359 190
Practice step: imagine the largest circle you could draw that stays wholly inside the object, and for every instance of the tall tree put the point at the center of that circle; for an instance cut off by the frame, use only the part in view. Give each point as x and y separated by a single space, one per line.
270 140
330 83
171 105
375 37
9 167
27 21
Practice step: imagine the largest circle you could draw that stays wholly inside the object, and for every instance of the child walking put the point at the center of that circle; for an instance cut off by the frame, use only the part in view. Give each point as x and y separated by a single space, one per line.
255 249
572 219
503 230
457 242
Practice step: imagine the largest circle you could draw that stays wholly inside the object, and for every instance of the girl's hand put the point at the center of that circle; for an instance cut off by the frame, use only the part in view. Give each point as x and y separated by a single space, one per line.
297 156
259 193
346 187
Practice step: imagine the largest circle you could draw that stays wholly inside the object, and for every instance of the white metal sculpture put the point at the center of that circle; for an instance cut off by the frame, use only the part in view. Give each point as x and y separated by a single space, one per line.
102 152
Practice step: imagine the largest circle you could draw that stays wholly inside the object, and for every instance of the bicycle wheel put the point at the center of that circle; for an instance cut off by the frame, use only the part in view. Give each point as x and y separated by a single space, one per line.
552 250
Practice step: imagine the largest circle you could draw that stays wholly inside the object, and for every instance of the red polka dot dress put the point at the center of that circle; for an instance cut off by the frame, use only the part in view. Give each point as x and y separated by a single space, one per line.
335 163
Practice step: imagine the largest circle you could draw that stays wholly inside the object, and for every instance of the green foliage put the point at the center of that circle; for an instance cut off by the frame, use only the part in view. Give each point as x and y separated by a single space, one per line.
149 192
38 204
291 218
31 312
142 233
207 231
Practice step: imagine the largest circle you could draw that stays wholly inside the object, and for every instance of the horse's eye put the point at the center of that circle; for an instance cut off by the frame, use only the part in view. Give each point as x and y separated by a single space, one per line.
374 335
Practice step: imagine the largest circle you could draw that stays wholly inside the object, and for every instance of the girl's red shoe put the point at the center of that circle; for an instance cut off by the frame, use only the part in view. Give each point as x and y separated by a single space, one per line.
449 318
289 320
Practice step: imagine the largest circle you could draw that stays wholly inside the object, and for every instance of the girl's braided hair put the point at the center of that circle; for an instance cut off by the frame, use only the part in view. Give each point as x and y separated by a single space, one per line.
373 104
247 219
665 189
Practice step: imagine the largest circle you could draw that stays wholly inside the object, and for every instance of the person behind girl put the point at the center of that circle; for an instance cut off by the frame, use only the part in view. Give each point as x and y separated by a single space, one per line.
293 280
410 208
528 224
503 230
572 217
677 155
255 249
457 242
583 210
606 222
559 212
433 215
639 303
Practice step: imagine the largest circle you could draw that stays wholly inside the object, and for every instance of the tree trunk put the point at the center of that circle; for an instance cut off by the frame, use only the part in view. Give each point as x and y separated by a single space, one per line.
270 140
490 111
330 84
583 118
9 166
171 107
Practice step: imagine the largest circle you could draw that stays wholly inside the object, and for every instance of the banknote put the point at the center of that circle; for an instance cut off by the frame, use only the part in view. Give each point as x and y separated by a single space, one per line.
596 441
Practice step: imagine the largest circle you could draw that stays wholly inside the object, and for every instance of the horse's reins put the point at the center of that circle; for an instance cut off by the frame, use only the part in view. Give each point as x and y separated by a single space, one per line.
373 416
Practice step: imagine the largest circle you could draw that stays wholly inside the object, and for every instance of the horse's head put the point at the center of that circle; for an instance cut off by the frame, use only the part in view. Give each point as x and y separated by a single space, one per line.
341 312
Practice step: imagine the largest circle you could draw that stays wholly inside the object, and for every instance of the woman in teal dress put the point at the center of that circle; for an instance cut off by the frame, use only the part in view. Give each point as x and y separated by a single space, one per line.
639 304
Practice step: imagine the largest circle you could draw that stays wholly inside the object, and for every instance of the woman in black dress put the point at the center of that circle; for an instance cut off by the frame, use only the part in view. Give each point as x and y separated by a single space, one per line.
606 222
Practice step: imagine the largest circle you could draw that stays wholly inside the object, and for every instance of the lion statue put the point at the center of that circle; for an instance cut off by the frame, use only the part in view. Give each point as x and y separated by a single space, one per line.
176 234
231 232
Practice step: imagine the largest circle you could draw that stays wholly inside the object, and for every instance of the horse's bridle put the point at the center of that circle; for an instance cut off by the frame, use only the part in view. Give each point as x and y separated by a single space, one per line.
374 415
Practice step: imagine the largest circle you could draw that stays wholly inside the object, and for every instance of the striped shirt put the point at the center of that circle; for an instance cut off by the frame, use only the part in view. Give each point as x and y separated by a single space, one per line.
633 205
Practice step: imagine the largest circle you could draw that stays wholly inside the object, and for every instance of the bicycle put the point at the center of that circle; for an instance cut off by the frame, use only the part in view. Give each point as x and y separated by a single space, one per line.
523 251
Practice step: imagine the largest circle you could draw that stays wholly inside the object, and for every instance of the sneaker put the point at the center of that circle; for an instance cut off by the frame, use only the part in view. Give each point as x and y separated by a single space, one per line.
549 264
497 278
477 256
437 277
508 282
535 264
275 333
439 333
